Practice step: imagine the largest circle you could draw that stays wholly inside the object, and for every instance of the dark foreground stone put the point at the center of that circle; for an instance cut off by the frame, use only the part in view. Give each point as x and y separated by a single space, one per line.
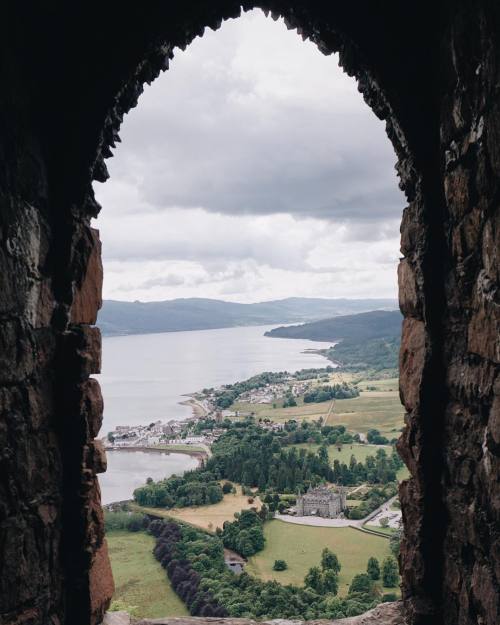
384 614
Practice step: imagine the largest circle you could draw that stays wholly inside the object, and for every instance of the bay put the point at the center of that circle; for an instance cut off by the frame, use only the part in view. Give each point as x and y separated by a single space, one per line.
129 469
145 376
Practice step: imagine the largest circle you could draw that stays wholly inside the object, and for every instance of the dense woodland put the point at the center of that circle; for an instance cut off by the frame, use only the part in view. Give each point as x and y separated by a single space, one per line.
194 488
268 461
375 354
326 392
366 341
245 535
257 458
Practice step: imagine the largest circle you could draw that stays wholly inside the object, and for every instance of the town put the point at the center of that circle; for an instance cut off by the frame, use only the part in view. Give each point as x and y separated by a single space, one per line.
215 403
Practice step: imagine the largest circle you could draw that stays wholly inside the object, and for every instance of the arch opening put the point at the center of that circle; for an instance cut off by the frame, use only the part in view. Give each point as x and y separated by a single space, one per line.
245 175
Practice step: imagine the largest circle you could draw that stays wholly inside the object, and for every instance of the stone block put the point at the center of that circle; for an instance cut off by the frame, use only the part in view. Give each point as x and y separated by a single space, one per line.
92 405
411 361
87 298
408 290
101 584
82 351
98 456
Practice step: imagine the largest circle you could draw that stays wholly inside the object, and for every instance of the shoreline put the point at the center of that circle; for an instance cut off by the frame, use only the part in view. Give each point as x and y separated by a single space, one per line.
196 453
198 411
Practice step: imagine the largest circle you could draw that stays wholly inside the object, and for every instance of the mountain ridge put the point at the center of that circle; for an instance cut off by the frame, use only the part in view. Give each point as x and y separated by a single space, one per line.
182 314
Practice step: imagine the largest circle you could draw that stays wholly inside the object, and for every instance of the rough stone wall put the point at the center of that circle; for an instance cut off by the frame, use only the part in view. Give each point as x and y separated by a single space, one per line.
69 72
451 301
385 614
470 153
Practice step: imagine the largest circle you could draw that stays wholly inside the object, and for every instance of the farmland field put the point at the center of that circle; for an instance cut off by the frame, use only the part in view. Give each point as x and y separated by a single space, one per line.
384 384
301 546
140 581
207 517
380 409
302 412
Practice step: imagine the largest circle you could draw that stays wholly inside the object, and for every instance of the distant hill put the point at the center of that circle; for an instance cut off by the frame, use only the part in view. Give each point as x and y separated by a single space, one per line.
368 340
366 325
116 317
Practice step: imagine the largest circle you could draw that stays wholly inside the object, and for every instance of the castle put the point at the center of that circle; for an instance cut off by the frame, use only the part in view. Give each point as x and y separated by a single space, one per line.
321 501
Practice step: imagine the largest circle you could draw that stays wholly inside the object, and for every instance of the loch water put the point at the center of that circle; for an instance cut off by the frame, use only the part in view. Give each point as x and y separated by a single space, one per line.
146 376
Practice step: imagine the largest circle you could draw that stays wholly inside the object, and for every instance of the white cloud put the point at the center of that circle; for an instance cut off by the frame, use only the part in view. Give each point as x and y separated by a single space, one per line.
251 169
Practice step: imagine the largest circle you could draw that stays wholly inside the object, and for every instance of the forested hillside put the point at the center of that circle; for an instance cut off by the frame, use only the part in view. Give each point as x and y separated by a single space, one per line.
368 340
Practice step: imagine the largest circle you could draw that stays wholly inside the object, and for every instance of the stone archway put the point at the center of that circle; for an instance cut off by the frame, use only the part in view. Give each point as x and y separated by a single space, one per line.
70 73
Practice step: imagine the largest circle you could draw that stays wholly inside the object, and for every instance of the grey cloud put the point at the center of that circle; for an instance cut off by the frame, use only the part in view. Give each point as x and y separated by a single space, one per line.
232 134
171 279
204 138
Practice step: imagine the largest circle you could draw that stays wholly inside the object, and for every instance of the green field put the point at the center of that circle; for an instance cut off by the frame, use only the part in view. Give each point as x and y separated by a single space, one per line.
140 581
380 409
359 451
384 384
403 474
301 547
301 412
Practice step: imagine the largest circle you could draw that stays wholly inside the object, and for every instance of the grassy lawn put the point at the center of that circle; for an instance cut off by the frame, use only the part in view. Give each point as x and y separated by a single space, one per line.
403 474
385 384
383 530
359 451
301 547
207 517
181 447
139 579
353 503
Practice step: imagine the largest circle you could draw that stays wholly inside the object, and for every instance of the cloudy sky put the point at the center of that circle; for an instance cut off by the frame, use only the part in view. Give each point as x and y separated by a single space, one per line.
251 170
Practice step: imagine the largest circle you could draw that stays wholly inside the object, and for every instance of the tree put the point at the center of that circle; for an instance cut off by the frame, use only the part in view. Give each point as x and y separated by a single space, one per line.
289 401
329 561
313 579
330 581
323 454
394 542
280 565
373 568
361 583
390 572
